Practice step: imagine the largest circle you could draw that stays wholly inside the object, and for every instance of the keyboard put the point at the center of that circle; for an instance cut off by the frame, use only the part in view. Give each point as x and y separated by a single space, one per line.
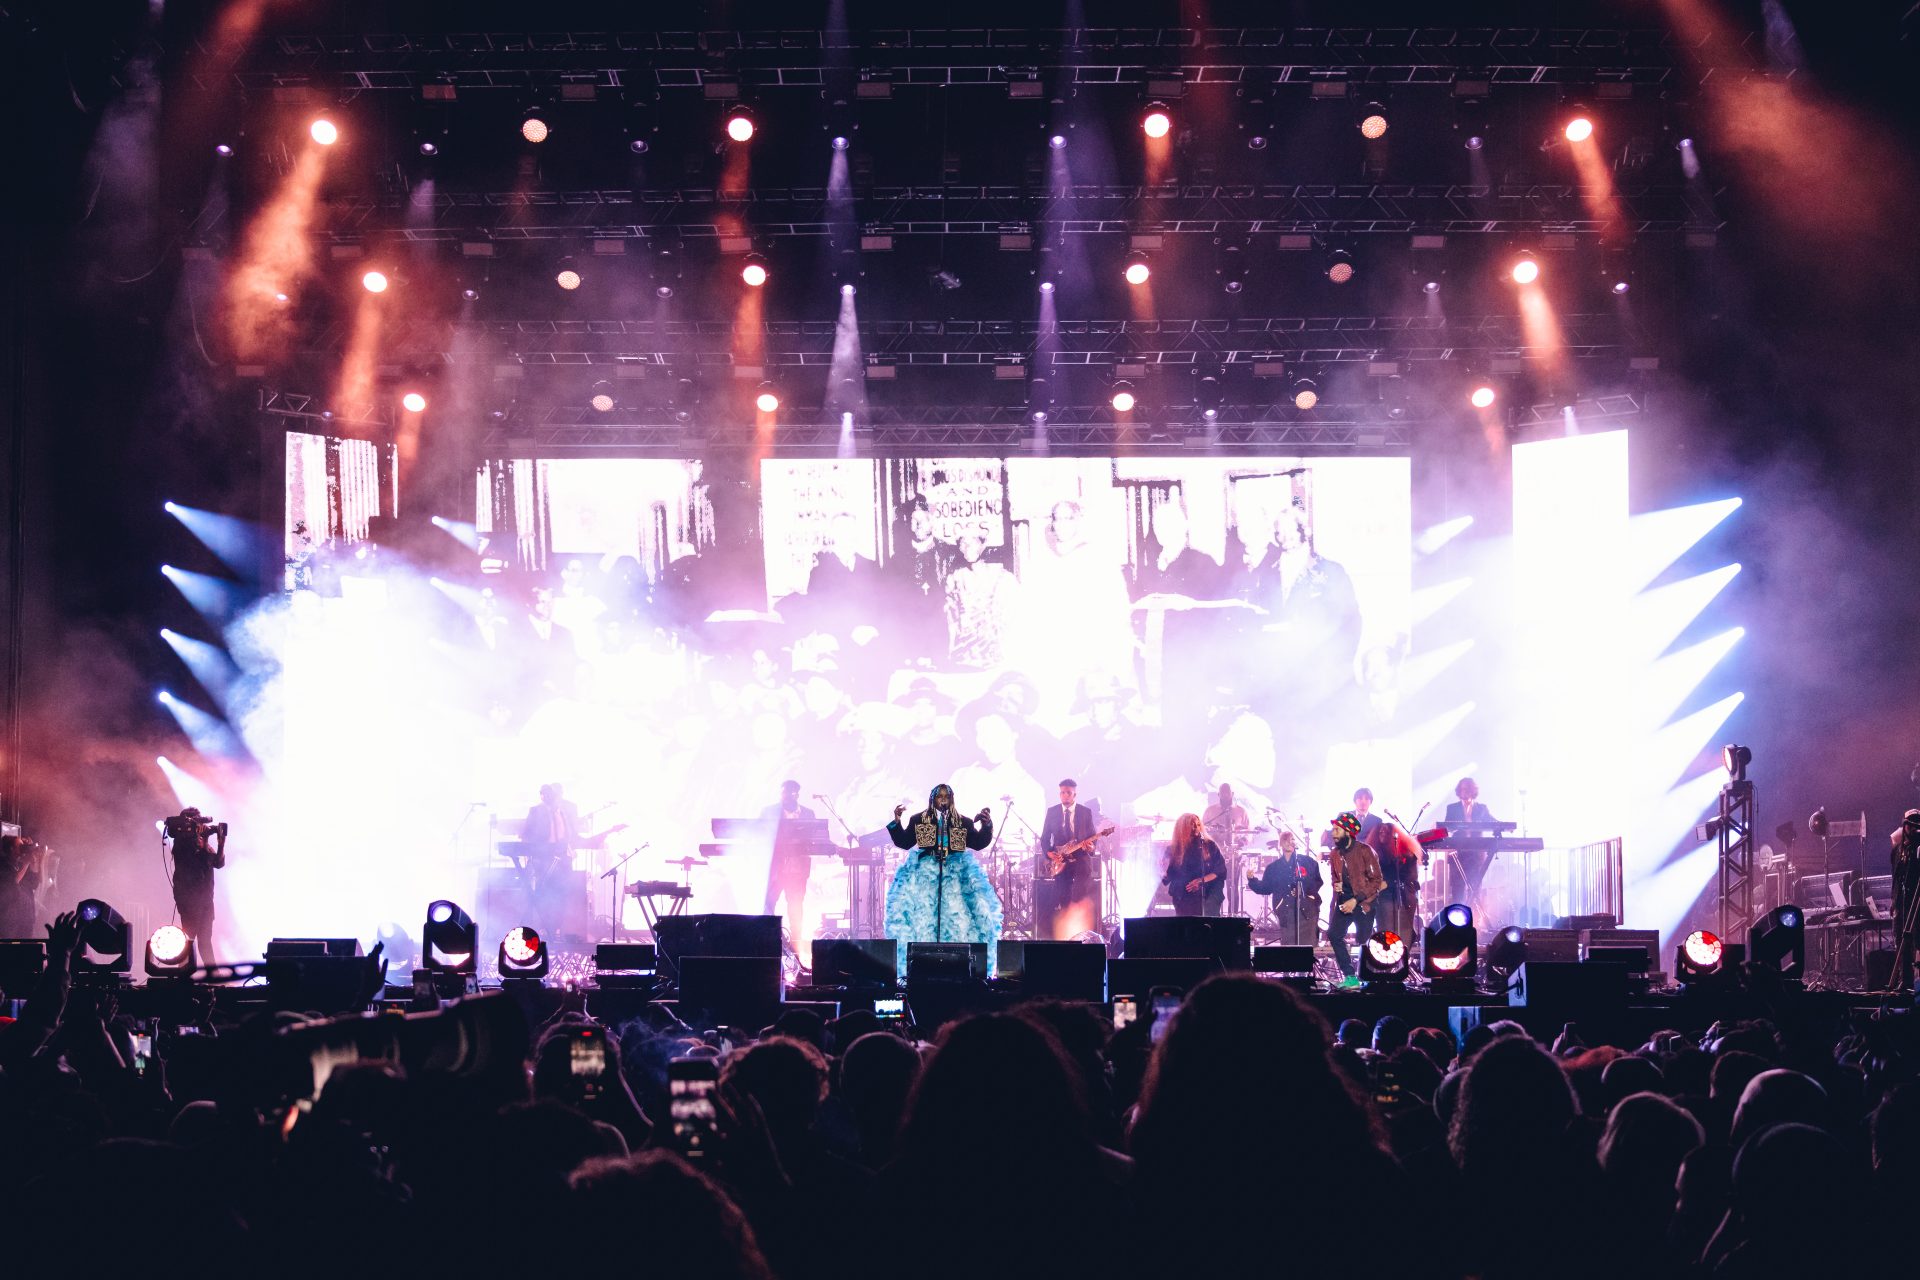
658 889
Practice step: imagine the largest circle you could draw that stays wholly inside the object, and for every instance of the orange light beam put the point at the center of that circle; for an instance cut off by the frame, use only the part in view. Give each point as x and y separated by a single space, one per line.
276 257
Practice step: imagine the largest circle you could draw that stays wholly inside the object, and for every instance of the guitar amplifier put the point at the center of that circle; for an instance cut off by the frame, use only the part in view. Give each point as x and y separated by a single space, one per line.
1638 949
1562 946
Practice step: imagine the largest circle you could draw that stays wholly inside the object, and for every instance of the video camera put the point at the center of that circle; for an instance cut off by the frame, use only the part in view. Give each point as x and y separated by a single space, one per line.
193 826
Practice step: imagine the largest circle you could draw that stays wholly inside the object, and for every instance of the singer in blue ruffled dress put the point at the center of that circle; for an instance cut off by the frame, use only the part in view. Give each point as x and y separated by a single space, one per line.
941 893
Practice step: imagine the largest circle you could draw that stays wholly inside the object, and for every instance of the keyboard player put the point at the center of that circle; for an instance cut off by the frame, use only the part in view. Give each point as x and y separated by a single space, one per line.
1467 812
792 858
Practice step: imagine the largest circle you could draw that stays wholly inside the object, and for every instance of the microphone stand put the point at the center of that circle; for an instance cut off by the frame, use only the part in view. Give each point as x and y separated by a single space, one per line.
854 873
613 916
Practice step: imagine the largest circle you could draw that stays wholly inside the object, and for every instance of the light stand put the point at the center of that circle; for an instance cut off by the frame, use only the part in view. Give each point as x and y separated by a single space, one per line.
1735 831
614 925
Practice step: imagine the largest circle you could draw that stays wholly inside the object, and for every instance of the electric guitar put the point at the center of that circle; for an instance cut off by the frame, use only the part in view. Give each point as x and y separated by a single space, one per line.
1058 859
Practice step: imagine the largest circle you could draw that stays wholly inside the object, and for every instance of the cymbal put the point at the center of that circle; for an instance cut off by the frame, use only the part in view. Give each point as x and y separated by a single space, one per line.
1138 829
686 862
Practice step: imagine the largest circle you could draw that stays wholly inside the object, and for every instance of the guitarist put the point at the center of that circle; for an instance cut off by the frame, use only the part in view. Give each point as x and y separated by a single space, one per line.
551 834
1357 882
1070 891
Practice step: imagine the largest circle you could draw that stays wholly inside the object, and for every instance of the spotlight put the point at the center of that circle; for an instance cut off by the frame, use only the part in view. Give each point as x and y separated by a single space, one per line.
1525 269
1384 961
1699 957
1046 286
471 295
1736 759
413 402
1339 266
280 298
428 149
568 276
1258 142
638 146
1452 948
1138 272
1620 287
450 941
846 290
374 282
754 273
740 124
1483 397
1232 269
840 142
1777 943
1156 123
171 953
1305 394
223 150
1123 397
767 401
1431 286
602 402
106 940
1506 952
1475 142
1058 141
323 132
534 129
523 955
663 291
1579 129
1373 124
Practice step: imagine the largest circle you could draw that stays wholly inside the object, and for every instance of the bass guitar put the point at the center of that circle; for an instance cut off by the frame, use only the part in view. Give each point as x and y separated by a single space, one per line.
1059 859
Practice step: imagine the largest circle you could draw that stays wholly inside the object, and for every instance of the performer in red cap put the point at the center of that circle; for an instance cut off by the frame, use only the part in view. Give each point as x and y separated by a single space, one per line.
1356 883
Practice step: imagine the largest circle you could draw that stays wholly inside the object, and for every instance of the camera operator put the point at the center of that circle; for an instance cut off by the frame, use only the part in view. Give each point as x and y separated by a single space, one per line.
199 849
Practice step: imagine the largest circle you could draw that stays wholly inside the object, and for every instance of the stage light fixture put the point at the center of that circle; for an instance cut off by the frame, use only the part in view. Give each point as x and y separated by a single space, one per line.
1157 122
1620 287
1777 942
1452 948
1579 129
413 402
1057 141
1525 269
1431 286
1700 956
602 397
534 129
1506 952
1138 272
1339 266
323 132
1736 759
847 290
841 142
1483 397
1373 124
223 150
106 940
768 401
1305 394
1475 142
523 955
568 276
374 282
1384 961
1122 399
1258 142
471 295
171 953
638 146
754 273
450 941
1046 286
740 124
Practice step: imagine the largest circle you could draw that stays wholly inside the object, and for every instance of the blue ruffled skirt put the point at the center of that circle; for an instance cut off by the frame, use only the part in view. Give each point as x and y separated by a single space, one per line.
921 909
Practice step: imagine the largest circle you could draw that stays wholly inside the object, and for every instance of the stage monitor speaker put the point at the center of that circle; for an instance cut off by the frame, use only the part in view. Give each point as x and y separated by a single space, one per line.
320 983
1293 959
291 948
842 961
741 991
1227 940
1555 984
1138 977
1064 970
715 935
1560 946
946 962
1879 969
22 961
625 957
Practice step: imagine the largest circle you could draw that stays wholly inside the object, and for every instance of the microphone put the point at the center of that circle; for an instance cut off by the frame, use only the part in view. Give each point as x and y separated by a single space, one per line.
817 796
1006 799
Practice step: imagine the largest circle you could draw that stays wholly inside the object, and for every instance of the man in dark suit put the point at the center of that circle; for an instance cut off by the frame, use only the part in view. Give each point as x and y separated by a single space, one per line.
1077 884
1467 811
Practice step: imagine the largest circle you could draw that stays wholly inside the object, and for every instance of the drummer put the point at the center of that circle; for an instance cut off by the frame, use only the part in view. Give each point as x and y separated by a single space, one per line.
1226 820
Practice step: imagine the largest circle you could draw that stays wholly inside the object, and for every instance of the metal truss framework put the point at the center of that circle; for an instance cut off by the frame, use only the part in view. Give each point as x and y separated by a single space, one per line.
1735 830
1229 342
1188 209
909 58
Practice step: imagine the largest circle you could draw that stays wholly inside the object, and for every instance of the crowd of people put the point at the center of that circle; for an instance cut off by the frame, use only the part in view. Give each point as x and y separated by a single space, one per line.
1242 1135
